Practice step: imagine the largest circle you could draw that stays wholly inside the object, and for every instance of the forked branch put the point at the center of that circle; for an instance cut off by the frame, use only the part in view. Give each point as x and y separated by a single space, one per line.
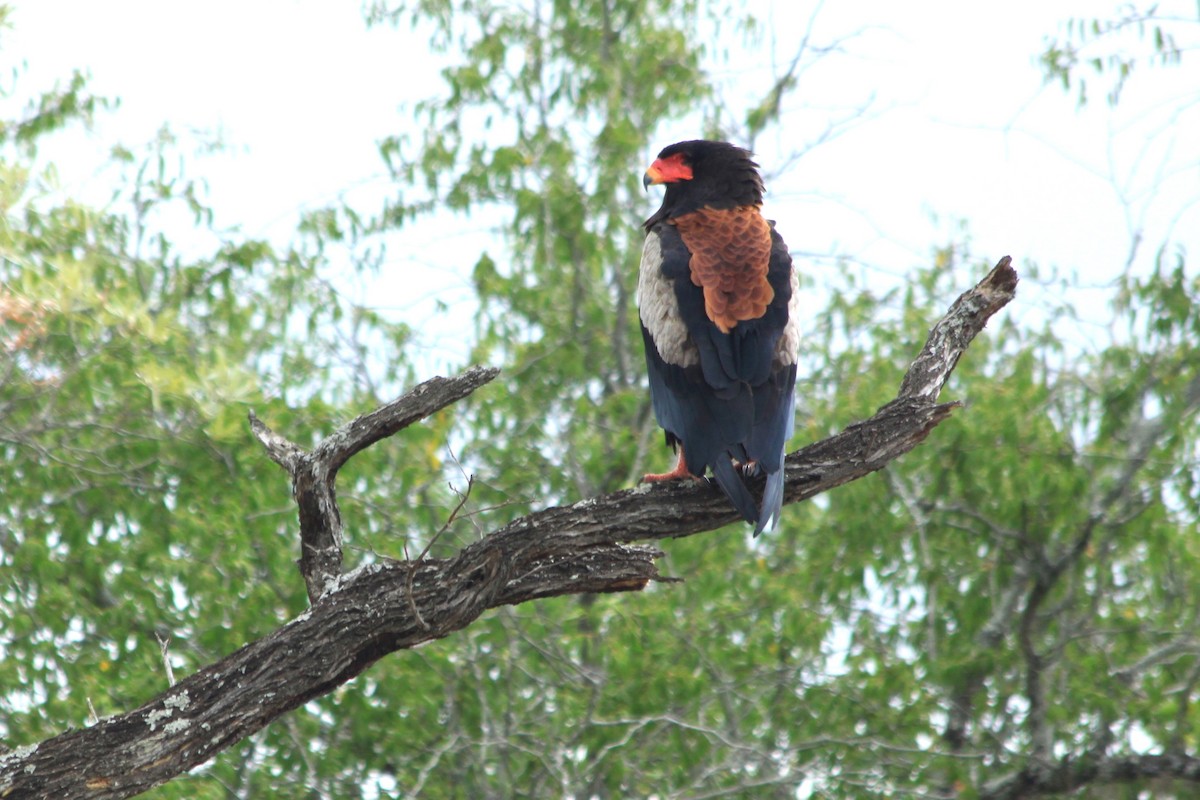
358 618
313 474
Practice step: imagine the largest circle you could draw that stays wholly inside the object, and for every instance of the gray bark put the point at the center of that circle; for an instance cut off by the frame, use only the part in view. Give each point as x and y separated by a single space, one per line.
359 617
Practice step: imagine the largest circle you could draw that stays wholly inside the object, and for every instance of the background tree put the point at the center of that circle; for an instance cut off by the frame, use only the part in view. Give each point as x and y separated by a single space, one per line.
140 531
1008 612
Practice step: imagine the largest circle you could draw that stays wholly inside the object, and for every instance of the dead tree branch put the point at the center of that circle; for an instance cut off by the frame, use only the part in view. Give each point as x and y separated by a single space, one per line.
358 618
313 474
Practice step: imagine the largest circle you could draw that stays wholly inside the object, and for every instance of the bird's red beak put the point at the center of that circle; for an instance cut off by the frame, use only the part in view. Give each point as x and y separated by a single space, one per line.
667 170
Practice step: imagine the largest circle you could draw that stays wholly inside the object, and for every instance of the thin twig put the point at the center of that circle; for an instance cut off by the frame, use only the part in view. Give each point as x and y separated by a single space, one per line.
163 646
412 569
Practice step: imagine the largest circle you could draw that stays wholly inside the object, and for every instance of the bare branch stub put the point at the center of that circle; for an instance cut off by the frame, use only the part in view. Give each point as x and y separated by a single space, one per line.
280 450
314 473
948 339
422 401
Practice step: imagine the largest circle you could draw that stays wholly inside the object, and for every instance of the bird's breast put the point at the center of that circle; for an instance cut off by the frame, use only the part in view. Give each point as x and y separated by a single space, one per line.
731 254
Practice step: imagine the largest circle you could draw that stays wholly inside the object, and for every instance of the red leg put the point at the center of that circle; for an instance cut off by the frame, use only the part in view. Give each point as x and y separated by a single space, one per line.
679 473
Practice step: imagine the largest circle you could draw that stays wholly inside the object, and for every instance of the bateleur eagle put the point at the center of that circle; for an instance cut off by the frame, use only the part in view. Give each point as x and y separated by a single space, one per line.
716 294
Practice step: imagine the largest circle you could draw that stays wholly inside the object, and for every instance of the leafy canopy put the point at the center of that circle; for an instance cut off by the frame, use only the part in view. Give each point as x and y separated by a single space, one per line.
1020 588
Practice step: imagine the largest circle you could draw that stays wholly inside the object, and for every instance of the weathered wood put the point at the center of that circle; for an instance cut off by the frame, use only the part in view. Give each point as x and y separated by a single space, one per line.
360 617
314 474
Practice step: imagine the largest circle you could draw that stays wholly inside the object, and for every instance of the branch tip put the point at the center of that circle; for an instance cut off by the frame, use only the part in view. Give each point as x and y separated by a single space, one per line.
1003 277
279 449
553 552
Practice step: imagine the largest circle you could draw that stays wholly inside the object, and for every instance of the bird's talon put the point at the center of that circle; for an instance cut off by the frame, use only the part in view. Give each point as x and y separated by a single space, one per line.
679 473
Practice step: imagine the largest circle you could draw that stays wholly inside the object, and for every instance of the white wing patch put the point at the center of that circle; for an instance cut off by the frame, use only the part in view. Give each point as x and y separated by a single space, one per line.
659 309
787 352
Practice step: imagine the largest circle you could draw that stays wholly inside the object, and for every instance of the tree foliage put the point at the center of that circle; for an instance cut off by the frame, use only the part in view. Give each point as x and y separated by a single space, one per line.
1010 611
1092 47
136 510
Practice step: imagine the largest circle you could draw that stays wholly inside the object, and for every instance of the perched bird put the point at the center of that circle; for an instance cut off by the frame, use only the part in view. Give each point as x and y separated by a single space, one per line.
716 294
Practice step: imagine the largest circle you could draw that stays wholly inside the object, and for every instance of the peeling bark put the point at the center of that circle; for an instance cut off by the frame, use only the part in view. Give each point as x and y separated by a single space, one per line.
357 618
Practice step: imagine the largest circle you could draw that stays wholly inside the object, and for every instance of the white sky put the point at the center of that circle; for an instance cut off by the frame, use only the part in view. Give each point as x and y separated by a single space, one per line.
959 125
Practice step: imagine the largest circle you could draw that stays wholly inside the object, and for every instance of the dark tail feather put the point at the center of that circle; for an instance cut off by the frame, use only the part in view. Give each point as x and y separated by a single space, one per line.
735 488
772 502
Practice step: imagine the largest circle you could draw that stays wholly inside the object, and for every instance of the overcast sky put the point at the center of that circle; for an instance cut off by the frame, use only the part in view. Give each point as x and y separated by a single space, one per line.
958 126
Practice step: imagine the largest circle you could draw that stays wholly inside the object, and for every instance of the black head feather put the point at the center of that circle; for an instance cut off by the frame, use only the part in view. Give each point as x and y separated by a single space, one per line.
723 176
